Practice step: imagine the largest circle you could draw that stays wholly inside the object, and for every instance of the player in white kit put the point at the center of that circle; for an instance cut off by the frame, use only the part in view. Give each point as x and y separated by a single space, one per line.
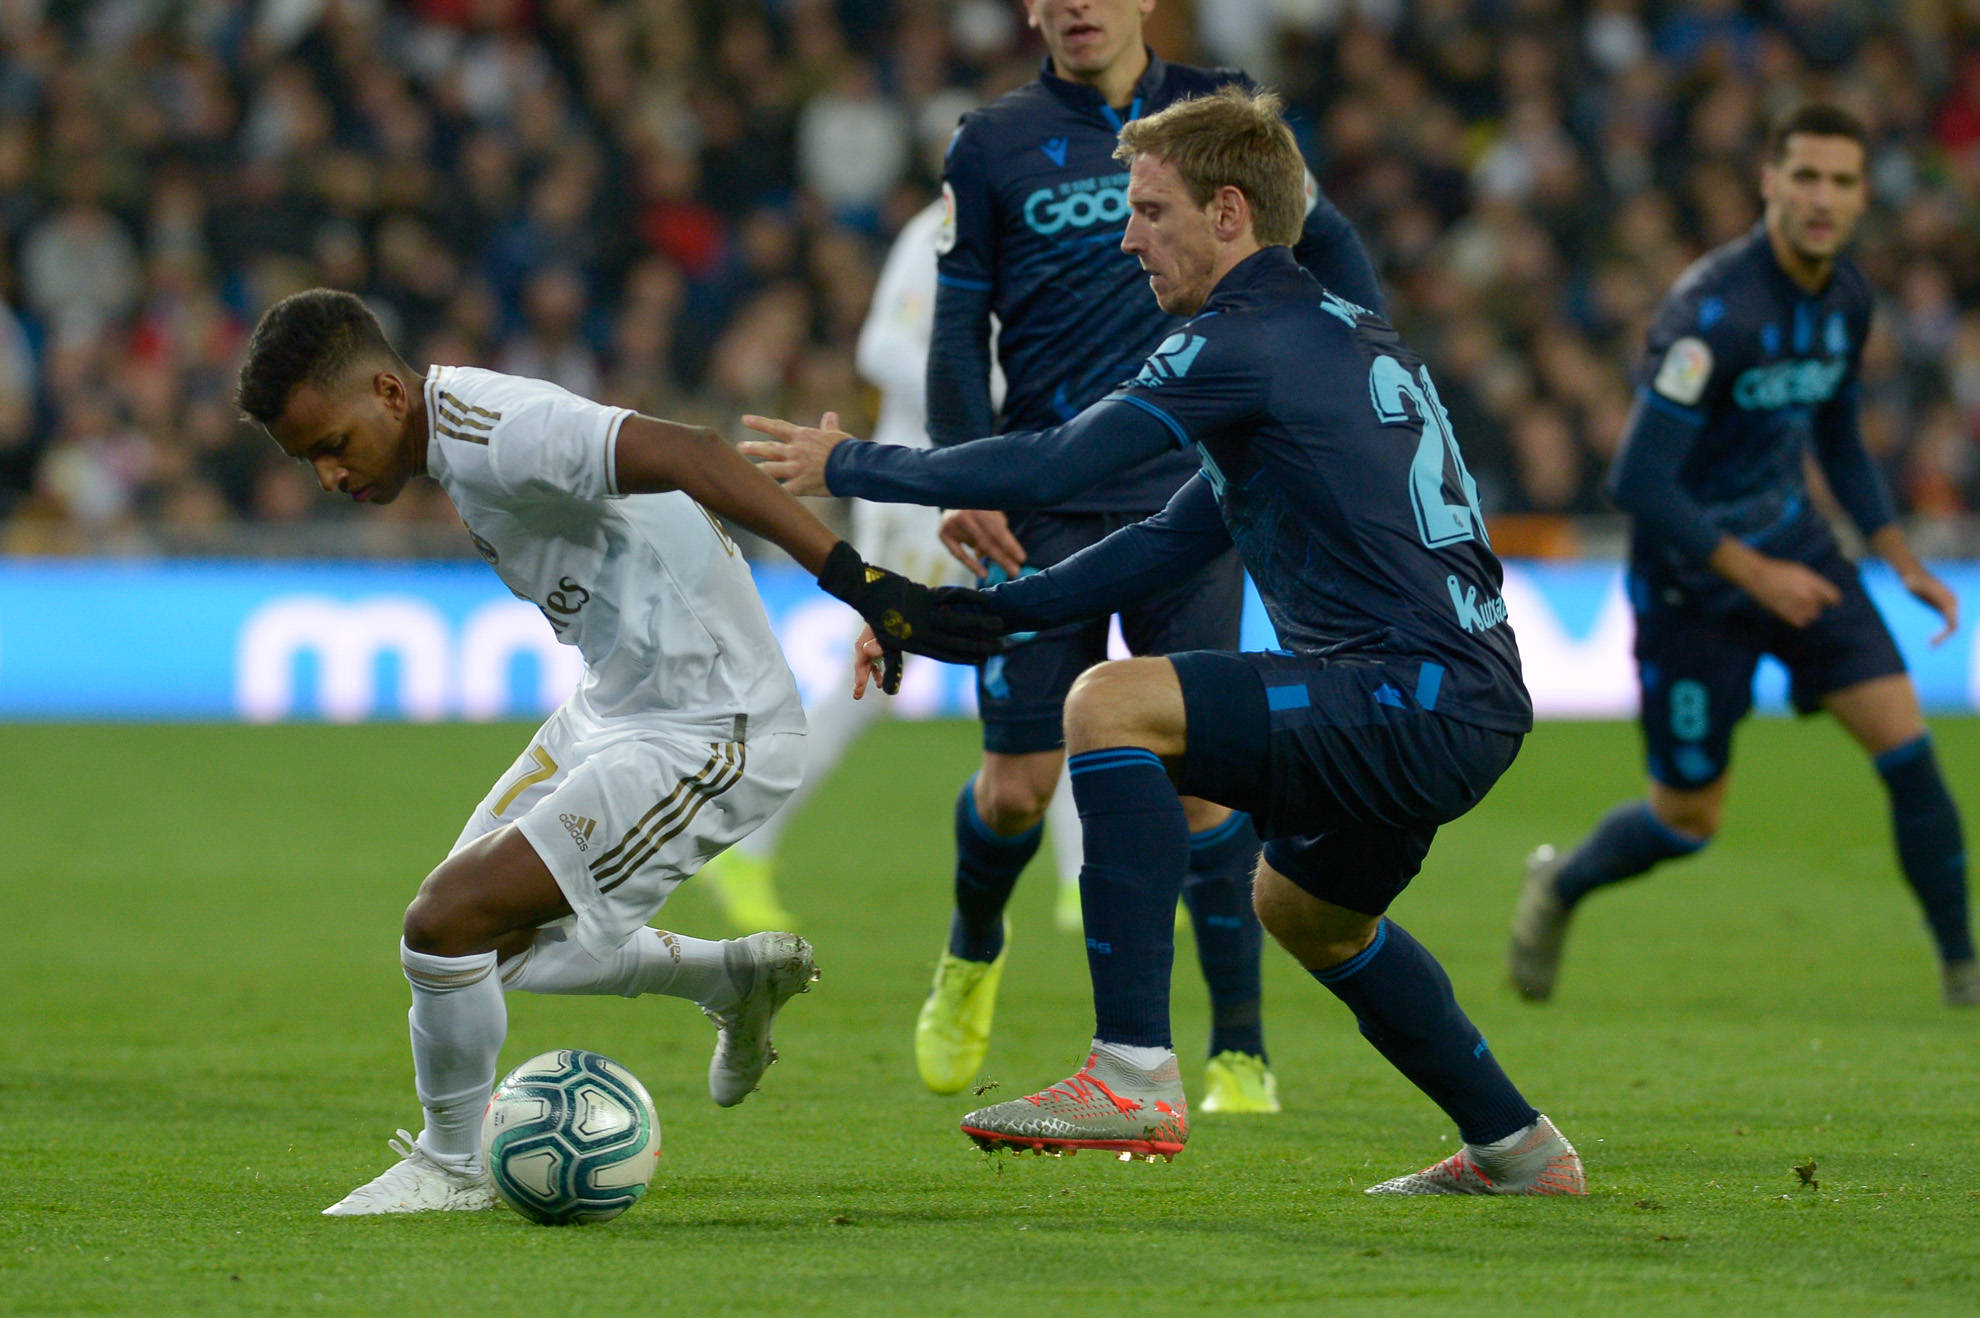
684 734
892 356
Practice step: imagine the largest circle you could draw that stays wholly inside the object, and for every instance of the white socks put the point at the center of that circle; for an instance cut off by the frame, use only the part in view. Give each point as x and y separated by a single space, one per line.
651 961
1135 1055
458 1022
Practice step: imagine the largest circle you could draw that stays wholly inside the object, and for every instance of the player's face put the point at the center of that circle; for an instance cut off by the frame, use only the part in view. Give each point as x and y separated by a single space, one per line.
1088 36
1174 238
1815 194
354 435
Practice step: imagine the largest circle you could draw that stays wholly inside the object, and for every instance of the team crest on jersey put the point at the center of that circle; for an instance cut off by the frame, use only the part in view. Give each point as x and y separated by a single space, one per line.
945 234
1687 369
1835 336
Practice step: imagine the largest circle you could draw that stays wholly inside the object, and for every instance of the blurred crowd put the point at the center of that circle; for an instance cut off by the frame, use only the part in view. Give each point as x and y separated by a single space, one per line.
680 206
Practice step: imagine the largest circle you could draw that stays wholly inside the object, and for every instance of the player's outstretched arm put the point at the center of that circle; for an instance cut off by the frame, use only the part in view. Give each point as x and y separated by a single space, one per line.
657 456
1030 469
1133 564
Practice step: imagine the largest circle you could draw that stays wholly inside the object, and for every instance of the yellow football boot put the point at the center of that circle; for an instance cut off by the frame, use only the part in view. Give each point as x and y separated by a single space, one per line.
746 887
953 1032
1239 1082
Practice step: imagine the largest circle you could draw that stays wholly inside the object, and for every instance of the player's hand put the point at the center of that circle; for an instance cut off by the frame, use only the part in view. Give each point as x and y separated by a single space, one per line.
1795 594
974 536
1934 594
952 624
795 455
873 663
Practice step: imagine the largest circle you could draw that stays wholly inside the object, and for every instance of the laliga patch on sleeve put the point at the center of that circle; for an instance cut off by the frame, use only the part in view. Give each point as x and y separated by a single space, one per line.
945 236
1687 369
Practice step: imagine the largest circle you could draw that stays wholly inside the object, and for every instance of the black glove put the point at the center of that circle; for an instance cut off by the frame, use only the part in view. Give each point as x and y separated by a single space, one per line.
948 623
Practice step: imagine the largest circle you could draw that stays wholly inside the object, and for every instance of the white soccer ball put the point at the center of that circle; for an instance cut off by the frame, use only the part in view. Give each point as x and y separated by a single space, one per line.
570 1137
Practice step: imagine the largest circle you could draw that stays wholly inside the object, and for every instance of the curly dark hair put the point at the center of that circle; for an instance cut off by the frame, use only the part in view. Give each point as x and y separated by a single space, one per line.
311 337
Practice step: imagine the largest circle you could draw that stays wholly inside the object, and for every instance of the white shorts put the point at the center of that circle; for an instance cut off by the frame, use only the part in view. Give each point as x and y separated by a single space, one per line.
622 813
906 538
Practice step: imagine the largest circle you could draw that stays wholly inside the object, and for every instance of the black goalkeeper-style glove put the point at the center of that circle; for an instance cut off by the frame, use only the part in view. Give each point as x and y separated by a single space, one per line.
948 623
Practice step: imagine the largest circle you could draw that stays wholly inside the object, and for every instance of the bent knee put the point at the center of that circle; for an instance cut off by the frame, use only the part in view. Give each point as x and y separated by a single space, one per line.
442 921
1695 816
1011 804
1316 933
1114 704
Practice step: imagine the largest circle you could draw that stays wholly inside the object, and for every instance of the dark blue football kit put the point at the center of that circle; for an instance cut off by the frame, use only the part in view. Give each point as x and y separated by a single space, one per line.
1746 373
1326 459
1037 208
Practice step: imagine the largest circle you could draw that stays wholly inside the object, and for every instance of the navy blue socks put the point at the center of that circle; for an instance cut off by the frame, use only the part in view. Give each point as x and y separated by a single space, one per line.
1929 845
987 868
1403 1000
1229 941
1628 842
1136 847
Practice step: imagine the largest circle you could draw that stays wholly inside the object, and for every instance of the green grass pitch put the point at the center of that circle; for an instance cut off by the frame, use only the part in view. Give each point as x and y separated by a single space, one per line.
203 1024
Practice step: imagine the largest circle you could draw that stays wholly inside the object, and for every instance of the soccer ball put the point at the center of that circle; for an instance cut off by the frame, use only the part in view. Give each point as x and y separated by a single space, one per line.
570 1137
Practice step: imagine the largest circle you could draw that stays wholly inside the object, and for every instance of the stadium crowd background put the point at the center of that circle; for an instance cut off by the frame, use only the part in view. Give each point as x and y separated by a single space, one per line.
680 205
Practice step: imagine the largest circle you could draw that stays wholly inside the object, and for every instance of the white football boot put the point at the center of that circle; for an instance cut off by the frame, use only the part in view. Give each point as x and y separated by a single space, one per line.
768 970
417 1184
1538 1161
1539 928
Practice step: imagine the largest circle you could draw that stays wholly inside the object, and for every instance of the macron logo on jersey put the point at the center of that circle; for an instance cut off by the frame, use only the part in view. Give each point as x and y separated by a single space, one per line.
1055 150
1172 360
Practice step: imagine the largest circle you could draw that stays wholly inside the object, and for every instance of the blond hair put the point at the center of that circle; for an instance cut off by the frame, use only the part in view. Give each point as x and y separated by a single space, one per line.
1234 138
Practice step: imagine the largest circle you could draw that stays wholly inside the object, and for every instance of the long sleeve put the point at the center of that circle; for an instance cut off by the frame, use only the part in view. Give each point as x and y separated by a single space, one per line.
958 379
1130 565
1858 485
1029 469
1332 253
1644 479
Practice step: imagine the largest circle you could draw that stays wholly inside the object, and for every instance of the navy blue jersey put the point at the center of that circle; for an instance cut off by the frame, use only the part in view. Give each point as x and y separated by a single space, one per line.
1746 372
1325 457
1341 483
1037 206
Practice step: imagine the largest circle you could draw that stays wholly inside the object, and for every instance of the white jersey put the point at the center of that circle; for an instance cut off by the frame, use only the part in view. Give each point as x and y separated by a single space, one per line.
893 343
646 586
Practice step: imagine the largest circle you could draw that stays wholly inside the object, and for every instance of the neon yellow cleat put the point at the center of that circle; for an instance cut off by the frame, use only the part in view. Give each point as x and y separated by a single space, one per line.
746 887
953 1031
1239 1082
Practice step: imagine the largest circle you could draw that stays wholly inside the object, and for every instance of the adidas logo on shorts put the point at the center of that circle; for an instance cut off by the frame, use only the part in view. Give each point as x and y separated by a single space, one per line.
579 828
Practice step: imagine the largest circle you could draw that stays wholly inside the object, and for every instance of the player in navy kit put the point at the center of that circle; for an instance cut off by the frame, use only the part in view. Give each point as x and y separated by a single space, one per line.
1036 205
1753 362
1328 462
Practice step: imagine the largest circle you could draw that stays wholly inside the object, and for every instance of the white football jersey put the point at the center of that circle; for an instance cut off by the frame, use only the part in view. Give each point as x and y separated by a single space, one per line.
646 586
893 343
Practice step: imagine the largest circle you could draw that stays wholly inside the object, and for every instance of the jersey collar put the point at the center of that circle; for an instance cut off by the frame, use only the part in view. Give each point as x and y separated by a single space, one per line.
1262 266
1082 97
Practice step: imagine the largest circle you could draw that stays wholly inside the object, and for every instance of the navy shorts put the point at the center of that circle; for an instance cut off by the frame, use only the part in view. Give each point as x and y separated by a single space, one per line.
1695 667
1345 778
1021 694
